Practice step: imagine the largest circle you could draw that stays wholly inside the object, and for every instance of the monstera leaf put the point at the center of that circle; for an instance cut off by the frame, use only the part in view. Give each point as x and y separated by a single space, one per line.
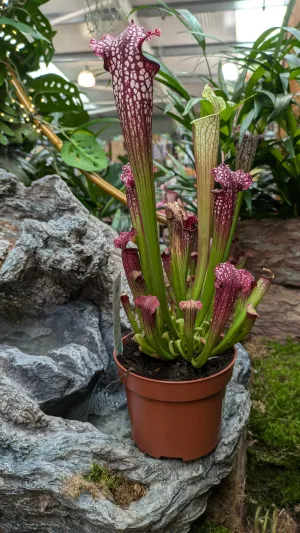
23 28
34 18
53 93
83 151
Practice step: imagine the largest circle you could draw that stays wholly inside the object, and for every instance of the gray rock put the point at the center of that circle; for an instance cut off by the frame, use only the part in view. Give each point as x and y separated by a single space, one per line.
8 184
242 368
57 265
40 454
51 260
52 250
54 355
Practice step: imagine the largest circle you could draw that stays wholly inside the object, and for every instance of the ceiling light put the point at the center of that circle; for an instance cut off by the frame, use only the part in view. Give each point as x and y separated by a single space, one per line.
230 71
86 79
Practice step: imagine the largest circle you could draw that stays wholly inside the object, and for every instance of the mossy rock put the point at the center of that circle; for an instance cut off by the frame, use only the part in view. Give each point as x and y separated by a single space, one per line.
273 475
104 476
103 479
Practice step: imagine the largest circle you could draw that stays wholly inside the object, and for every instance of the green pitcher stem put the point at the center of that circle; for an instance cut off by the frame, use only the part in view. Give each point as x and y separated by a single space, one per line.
206 144
146 197
206 140
234 223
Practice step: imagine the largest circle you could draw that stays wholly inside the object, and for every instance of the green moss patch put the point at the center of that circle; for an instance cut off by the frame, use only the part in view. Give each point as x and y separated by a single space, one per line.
104 476
268 484
273 474
101 479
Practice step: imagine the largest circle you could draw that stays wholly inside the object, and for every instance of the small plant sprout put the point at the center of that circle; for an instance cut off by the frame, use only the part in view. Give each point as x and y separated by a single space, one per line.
189 301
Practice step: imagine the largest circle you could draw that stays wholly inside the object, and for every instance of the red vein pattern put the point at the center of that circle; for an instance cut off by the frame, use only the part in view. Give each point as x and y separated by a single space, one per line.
148 306
225 199
247 282
124 238
132 79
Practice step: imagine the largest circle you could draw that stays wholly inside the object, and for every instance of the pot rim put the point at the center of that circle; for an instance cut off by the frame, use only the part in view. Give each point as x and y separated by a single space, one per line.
173 382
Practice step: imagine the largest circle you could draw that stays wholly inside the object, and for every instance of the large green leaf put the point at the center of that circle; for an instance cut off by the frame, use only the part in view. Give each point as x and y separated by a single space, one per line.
82 151
294 31
221 79
4 128
280 104
169 79
22 49
31 15
293 60
188 20
270 95
191 103
286 18
294 74
231 108
259 41
284 77
246 123
3 140
53 93
23 28
2 73
239 85
192 24
74 119
256 76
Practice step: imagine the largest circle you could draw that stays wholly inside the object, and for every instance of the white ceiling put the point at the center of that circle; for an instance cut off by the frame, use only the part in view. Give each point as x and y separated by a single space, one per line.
228 21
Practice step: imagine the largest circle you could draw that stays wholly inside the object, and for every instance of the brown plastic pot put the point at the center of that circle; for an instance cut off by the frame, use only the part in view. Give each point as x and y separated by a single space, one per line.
175 419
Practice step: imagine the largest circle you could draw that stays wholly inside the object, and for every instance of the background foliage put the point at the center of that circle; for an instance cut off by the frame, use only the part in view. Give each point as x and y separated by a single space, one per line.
26 44
261 99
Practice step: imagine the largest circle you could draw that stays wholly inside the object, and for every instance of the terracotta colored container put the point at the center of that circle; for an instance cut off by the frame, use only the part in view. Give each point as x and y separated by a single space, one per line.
175 419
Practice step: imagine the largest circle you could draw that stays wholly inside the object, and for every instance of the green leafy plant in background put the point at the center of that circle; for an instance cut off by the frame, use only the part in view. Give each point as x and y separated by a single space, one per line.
24 46
47 161
273 521
26 43
260 97
189 318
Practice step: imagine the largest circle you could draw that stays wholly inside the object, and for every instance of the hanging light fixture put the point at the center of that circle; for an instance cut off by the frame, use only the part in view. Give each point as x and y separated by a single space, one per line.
86 78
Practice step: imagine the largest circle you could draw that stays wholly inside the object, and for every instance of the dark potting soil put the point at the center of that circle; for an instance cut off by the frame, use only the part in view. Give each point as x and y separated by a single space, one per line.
178 370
